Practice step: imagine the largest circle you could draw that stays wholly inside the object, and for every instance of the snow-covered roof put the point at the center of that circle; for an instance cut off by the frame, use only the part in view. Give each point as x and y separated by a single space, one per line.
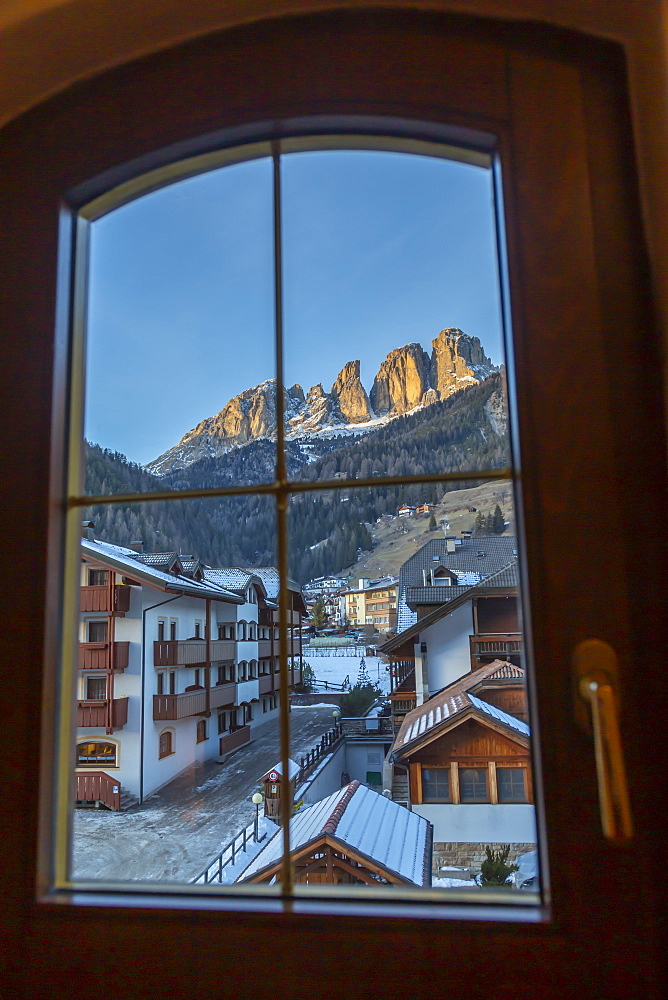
125 561
229 576
456 699
446 599
499 714
293 769
373 826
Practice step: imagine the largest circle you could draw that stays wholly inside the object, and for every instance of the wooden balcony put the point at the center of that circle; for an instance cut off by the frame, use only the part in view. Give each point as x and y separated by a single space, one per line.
501 646
266 683
99 599
222 695
191 652
95 655
168 707
234 739
93 713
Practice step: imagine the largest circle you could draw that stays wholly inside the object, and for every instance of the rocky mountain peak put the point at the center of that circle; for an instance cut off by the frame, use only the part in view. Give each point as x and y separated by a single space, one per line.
402 381
457 360
350 395
408 377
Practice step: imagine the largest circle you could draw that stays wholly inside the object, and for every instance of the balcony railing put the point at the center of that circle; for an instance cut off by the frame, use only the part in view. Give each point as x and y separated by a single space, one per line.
168 707
94 655
97 786
264 648
222 695
98 599
266 685
190 652
500 645
93 713
235 739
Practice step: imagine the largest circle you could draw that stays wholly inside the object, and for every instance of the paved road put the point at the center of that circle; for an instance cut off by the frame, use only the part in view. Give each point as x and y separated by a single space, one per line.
183 826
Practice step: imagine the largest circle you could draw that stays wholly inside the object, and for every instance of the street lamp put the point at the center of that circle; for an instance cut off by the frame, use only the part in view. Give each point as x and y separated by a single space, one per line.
256 799
336 715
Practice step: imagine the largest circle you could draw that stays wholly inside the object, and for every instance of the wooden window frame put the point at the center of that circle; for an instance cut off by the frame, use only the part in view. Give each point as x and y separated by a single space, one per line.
162 755
447 771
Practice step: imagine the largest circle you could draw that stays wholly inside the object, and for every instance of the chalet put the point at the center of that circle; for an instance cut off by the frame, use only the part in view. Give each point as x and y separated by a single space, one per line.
175 666
425 508
457 629
354 836
465 753
406 511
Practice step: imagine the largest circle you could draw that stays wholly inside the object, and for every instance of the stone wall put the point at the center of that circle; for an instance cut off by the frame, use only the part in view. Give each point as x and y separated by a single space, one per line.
470 855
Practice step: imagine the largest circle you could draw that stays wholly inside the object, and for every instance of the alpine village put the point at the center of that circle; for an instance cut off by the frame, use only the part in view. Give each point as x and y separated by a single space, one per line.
406 668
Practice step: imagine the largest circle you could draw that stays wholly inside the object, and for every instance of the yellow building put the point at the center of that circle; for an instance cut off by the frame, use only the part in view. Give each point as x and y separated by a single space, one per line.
372 603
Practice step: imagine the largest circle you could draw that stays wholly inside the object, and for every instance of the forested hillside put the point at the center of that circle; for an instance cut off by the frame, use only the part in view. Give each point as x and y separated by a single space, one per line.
327 529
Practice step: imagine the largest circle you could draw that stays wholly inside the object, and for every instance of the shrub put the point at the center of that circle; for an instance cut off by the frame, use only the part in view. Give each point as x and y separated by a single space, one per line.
495 869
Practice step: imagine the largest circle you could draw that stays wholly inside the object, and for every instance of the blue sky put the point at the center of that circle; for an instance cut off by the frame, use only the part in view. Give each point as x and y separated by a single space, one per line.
380 249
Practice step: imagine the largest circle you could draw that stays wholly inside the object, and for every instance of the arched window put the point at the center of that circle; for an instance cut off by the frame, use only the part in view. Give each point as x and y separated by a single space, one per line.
553 193
165 743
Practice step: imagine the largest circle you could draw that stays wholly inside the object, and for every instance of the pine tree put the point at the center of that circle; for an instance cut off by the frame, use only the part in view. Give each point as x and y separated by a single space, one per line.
432 523
479 524
363 679
318 614
489 524
498 521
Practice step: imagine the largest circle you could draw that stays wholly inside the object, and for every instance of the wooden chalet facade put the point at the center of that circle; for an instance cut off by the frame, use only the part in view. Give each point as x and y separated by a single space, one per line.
466 755
354 836
177 664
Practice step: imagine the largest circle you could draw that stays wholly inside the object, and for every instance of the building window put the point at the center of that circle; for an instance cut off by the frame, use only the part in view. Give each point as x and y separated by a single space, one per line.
172 630
165 744
221 722
161 683
161 629
473 784
221 631
201 731
435 784
511 783
97 577
198 630
172 681
96 754
97 631
96 688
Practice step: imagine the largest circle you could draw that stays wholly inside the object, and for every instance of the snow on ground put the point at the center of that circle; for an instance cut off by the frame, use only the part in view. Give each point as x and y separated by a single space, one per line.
335 669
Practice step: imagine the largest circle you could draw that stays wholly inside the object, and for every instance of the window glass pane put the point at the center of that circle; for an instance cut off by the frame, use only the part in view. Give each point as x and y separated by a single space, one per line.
392 315
171 737
180 342
398 684
473 784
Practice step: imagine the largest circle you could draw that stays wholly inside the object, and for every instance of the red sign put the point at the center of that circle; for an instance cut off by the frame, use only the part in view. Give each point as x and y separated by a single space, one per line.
273 776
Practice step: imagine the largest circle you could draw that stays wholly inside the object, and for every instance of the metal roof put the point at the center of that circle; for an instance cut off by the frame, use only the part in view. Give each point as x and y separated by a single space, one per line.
356 817
455 699
125 561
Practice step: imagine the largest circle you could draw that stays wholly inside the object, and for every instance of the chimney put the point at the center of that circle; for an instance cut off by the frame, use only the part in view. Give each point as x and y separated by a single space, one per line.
137 546
87 530
363 583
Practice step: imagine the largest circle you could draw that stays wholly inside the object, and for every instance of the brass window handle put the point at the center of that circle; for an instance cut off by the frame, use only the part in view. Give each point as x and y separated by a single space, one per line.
596 673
